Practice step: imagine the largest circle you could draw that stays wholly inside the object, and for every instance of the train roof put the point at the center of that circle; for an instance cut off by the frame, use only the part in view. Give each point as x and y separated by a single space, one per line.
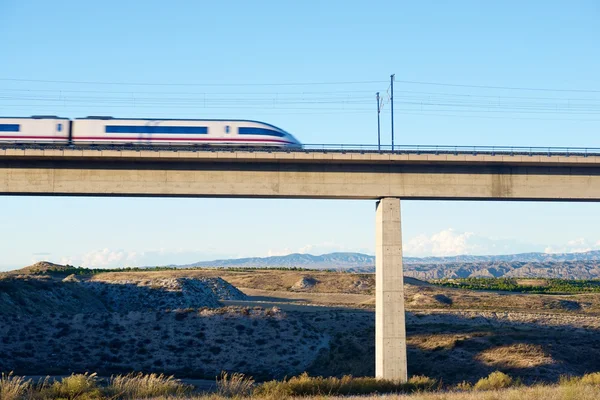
37 117
101 117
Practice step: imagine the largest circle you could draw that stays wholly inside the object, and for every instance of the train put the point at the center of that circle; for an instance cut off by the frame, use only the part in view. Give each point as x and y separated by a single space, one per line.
101 130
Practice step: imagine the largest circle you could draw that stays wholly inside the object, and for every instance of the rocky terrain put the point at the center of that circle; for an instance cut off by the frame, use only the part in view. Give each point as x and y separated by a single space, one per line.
195 343
270 324
36 294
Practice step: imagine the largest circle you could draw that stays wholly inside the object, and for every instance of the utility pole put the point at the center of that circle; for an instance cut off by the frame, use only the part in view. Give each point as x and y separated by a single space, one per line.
392 105
378 125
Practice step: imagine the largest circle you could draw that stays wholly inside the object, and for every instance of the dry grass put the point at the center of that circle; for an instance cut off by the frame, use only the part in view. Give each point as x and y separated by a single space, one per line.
263 279
554 392
86 387
520 355
441 341
13 387
140 386
234 385
578 392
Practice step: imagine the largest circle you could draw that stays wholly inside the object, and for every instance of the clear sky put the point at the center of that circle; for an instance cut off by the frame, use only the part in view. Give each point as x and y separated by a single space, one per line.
467 73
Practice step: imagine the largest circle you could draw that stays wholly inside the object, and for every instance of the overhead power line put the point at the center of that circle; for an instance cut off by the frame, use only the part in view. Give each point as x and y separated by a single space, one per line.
298 84
189 84
500 87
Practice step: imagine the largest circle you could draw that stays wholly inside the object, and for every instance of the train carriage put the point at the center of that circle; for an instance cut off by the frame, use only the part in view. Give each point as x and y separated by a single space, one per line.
108 130
36 129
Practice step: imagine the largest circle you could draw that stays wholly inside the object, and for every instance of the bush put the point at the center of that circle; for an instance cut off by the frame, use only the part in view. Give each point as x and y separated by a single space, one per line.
76 386
304 385
13 387
140 386
587 379
234 385
464 386
495 380
274 390
591 379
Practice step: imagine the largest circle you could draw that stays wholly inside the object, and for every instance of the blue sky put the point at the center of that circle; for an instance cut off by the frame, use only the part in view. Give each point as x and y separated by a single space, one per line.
312 68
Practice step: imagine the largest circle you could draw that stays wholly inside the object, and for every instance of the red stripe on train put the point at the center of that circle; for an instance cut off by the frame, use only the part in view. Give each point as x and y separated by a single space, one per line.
137 139
180 139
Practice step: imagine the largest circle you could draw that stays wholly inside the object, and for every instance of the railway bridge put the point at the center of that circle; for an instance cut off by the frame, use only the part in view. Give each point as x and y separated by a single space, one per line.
386 177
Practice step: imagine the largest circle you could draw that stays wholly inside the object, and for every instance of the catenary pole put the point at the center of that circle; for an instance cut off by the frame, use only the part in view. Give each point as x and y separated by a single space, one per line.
392 105
378 124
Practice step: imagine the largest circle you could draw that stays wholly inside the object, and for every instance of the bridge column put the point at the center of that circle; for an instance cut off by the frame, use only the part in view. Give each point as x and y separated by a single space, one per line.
390 331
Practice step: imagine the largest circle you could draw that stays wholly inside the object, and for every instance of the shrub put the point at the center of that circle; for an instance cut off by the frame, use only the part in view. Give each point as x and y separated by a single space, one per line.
591 379
495 380
234 385
13 387
76 386
304 385
140 386
464 386
274 390
587 379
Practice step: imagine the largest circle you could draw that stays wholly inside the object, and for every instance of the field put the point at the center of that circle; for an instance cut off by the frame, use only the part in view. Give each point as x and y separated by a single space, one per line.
272 324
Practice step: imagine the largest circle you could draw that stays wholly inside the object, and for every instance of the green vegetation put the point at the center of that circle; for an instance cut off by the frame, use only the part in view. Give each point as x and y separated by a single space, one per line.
305 385
496 380
69 269
244 269
549 286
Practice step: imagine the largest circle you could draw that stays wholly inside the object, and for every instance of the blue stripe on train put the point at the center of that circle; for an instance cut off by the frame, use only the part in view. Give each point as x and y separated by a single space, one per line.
9 127
156 129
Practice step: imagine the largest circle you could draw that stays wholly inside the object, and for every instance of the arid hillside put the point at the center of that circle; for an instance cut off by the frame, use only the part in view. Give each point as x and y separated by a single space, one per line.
270 324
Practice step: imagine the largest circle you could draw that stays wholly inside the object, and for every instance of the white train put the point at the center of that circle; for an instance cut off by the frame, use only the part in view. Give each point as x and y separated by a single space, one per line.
109 130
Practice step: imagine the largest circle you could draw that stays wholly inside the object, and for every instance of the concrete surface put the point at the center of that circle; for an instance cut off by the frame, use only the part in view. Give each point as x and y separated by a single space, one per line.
390 331
298 175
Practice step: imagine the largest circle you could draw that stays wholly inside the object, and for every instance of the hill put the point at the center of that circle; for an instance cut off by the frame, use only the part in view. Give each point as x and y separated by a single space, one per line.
42 267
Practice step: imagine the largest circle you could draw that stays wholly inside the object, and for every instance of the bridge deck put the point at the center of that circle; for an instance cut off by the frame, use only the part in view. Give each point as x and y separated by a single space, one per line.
482 155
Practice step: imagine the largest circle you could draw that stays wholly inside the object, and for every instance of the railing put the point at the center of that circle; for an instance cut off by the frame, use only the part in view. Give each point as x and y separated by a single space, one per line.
331 147
447 149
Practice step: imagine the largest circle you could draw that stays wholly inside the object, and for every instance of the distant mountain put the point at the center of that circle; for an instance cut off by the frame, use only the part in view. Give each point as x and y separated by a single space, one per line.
331 260
522 257
565 265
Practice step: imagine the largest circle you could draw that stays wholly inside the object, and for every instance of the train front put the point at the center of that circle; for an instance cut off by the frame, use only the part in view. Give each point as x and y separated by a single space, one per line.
269 135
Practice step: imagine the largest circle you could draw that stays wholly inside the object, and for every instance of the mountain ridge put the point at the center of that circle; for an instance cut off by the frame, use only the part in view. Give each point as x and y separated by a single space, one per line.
585 265
349 259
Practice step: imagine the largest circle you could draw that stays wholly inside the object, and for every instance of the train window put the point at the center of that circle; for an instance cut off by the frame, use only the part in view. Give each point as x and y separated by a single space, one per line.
59 127
156 129
260 131
226 128
10 128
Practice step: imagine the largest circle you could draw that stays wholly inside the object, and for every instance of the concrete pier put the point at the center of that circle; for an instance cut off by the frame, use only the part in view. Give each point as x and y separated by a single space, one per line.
390 332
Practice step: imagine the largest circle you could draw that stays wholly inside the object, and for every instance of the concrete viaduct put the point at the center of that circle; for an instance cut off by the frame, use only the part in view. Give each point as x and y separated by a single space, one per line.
384 177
